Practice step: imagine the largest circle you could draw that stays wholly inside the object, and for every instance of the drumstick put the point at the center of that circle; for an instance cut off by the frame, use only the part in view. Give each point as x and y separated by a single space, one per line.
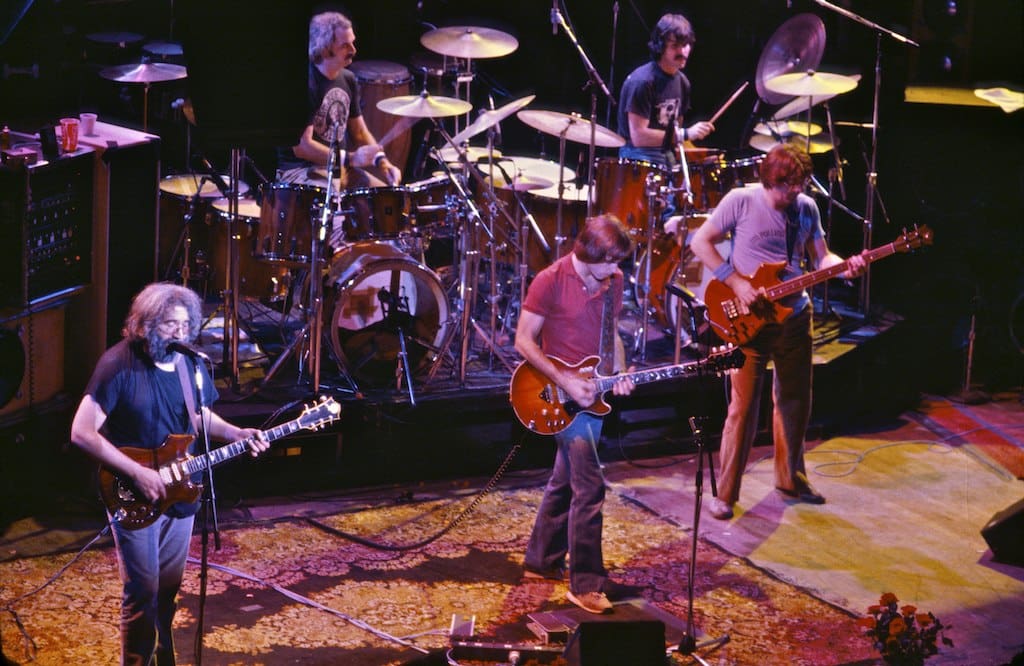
404 123
729 102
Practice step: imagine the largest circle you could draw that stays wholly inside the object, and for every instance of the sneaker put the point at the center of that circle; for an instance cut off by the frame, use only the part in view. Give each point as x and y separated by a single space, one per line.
720 509
592 602
559 574
803 491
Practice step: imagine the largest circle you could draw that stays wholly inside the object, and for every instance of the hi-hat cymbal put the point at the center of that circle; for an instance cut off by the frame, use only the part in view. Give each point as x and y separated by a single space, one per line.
819 144
801 104
787 128
490 118
797 45
146 72
811 84
424 106
573 127
469 42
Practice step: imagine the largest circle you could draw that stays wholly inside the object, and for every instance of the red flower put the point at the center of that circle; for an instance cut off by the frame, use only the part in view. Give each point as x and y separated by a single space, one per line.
888 598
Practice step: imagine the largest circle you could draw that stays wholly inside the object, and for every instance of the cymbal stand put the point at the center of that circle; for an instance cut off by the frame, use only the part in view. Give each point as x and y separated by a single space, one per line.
835 175
872 176
230 342
311 335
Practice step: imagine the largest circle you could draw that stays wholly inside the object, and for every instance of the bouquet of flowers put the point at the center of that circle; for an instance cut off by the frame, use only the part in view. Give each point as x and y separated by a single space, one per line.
902 635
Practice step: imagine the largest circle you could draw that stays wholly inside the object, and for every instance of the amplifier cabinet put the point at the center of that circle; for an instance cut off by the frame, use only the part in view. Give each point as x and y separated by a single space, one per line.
45 229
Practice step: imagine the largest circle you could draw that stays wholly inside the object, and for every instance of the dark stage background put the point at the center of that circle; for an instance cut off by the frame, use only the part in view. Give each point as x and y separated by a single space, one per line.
955 168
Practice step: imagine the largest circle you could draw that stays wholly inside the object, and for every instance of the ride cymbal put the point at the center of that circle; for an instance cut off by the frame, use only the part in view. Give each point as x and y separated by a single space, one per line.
819 144
469 42
489 118
787 128
811 84
145 72
573 127
424 105
801 104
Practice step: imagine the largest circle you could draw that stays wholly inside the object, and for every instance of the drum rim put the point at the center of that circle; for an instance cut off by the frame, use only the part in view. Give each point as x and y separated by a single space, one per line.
400 75
629 161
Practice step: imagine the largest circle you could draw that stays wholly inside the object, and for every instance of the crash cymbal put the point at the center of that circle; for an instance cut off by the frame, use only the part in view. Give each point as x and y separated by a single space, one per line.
146 72
801 104
490 118
424 105
575 128
811 84
522 183
473 153
797 45
820 144
469 42
526 172
787 128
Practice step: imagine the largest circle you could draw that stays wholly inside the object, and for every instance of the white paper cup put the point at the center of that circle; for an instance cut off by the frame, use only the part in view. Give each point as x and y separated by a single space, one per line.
88 121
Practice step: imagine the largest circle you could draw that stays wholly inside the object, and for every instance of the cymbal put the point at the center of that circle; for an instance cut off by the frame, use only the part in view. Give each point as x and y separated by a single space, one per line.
469 42
424 105
820 144
787 128
146 72
490 118
801 104
522 183
796 45
526 172
473 153
811 83
573 127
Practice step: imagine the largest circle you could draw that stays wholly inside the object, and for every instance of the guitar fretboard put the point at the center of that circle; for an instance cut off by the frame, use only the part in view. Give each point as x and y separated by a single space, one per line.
235 449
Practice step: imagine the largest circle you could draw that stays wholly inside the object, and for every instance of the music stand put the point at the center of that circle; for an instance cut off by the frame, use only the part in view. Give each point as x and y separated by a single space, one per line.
229 75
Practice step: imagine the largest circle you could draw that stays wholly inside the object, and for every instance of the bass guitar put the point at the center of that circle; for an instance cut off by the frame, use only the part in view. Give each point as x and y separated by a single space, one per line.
132 510
737 327
545 408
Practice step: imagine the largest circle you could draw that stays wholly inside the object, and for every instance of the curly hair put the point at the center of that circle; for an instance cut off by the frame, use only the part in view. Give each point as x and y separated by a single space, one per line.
786 164
322 29
151 306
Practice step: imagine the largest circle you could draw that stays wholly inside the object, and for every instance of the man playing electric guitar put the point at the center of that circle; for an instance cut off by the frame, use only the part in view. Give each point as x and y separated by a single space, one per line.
566 308
773 221
137 396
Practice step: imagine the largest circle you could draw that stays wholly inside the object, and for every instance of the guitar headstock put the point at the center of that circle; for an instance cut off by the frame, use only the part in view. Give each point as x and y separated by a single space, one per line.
724 359
314 417
913 239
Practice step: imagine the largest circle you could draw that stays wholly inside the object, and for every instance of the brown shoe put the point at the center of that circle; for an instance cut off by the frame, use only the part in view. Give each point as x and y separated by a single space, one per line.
803 492
560 575
592 602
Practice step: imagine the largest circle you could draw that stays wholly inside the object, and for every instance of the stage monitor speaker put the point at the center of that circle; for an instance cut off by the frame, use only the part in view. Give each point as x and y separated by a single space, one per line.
248 70
612 643
1004 534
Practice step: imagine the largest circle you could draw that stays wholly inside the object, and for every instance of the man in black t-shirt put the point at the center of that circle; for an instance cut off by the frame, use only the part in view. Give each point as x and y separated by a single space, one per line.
136 398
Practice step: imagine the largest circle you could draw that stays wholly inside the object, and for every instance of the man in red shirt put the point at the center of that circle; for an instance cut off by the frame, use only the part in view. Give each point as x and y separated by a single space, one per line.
562 316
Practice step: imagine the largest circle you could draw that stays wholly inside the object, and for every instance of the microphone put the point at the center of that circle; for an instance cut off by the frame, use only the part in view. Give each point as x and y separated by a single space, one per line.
497 126
187 350
554 17
217 180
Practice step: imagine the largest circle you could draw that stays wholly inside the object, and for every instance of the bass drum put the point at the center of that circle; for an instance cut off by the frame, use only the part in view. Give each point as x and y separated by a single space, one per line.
672 265
378 291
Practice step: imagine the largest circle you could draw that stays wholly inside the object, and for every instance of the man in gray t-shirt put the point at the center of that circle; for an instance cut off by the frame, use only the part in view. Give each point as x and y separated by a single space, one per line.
773 221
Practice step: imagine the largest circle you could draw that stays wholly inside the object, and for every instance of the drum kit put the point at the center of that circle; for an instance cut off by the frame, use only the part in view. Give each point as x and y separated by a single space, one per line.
408 269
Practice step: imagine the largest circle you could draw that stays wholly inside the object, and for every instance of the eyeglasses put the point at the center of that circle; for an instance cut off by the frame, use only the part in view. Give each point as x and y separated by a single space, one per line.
171 326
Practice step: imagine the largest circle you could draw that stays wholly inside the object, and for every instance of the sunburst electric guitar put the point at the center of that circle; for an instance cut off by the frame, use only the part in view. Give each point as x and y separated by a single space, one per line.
733 325
545 408
171 459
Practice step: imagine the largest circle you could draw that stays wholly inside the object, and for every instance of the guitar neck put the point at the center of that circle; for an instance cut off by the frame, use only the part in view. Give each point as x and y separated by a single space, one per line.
801 282
234 449
650 375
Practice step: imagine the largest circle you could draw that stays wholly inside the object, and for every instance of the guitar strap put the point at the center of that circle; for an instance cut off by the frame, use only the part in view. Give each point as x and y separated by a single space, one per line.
792 229
187 391
607 352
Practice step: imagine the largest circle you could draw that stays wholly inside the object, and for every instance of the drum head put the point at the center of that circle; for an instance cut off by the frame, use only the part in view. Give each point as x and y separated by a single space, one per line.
381 296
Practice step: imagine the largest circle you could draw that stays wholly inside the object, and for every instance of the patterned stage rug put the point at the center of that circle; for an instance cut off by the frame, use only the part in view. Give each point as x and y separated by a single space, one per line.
904 515
294 590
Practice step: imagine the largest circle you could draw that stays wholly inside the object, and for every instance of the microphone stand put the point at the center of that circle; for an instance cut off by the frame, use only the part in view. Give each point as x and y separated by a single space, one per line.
208 521
595 82
872 176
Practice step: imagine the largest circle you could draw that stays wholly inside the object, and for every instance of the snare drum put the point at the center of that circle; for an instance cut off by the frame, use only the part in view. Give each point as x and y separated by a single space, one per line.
370 279
256 279
287 217
379 79
374 212
430 201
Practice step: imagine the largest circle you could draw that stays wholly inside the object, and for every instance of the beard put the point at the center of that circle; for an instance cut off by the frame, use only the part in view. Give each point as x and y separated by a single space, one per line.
156 347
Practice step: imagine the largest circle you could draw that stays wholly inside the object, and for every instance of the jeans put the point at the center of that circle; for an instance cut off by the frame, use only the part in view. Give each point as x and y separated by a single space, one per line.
789 346
569 520
152 563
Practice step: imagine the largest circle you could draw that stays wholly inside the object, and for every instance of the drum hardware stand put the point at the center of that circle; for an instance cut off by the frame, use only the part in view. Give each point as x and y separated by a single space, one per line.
183 247
689 645
872 176
693 305
396 317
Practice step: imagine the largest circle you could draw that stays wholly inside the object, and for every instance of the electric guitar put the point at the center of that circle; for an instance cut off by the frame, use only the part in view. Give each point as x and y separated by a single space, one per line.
545 408
737 327
131 509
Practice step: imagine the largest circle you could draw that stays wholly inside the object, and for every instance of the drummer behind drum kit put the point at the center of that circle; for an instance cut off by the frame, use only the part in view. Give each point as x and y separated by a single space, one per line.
408 260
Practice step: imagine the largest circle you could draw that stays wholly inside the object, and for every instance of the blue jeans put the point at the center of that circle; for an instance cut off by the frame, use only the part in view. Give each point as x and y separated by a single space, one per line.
152 563
569 520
